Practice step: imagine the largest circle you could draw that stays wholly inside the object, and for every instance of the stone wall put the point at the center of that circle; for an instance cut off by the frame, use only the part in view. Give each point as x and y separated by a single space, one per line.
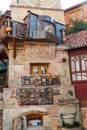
35 52
38 53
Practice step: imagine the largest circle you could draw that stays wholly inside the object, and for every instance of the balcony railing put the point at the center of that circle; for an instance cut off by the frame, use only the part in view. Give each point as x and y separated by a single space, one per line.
16 29
45 35
19 30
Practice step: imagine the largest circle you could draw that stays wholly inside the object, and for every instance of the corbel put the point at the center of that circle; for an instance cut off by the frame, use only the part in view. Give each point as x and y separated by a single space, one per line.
14 48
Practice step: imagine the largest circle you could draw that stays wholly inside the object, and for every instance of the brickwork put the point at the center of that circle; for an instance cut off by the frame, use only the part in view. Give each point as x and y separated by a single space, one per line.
20 66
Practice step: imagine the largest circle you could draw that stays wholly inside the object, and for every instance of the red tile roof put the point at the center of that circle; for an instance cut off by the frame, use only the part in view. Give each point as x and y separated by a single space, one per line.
76 40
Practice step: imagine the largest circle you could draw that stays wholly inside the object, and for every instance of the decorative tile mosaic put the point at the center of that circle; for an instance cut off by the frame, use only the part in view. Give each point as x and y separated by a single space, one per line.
40 80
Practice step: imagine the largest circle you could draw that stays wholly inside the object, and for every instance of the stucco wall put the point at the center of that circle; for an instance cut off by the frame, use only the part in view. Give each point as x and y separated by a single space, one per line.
58 15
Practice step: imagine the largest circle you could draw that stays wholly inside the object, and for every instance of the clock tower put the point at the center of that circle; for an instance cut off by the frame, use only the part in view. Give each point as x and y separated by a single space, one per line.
41 7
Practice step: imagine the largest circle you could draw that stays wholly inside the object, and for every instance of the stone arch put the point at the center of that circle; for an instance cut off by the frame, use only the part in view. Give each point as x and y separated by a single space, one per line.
34 110
35 113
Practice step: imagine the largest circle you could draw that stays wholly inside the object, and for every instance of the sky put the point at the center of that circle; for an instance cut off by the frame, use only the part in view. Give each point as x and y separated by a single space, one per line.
5 4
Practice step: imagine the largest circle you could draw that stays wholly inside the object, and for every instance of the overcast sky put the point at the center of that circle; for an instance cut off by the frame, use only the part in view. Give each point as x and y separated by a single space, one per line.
5 4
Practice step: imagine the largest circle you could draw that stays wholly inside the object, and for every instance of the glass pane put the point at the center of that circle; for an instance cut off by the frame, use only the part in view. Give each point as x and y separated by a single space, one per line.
73 77
35 70
84 62
78 76
77 64
83 65
72 66
43 69
84 76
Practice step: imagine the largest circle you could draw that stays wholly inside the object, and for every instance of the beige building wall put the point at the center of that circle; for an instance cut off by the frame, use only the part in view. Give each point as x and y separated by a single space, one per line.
54 4
19 11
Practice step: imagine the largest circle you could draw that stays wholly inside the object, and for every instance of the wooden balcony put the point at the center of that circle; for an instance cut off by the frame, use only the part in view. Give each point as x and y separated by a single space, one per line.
16 29
45 36
19 31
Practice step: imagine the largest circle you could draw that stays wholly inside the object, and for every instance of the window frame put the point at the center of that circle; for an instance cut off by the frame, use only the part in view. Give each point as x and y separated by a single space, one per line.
32 65
74 54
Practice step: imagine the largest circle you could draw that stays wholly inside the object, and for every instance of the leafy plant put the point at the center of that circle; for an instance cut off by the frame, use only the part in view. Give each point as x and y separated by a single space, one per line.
75 124
77 26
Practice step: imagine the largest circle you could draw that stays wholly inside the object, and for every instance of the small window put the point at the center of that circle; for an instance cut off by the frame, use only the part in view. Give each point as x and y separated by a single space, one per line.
72 16
79 14
39 68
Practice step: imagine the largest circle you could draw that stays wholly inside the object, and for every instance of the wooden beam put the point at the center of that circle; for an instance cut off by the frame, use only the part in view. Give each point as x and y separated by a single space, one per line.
14 48
5 48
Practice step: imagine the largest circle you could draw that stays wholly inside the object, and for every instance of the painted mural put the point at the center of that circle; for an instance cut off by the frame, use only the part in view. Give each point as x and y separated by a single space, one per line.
40 80
36 96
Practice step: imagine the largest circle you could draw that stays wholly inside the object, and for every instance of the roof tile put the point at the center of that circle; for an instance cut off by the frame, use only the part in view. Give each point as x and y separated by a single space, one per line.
76 40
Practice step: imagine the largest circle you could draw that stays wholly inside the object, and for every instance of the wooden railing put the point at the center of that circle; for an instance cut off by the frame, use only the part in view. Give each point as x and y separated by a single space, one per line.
16 29
20 30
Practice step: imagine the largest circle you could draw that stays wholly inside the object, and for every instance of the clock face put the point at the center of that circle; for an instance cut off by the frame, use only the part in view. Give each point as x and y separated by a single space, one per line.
42 3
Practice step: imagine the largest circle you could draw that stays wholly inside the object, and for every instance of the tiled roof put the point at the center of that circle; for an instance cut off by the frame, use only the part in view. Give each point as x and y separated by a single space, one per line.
76 40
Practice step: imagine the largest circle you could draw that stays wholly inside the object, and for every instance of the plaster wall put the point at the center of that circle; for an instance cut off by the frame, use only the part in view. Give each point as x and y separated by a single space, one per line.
58 15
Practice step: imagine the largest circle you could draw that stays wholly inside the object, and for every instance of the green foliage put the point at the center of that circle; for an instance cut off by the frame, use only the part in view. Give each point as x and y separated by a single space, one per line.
77 26
76 124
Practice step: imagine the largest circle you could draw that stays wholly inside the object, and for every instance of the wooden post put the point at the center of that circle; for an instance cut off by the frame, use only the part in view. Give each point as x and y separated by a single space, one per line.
5 48
14 48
